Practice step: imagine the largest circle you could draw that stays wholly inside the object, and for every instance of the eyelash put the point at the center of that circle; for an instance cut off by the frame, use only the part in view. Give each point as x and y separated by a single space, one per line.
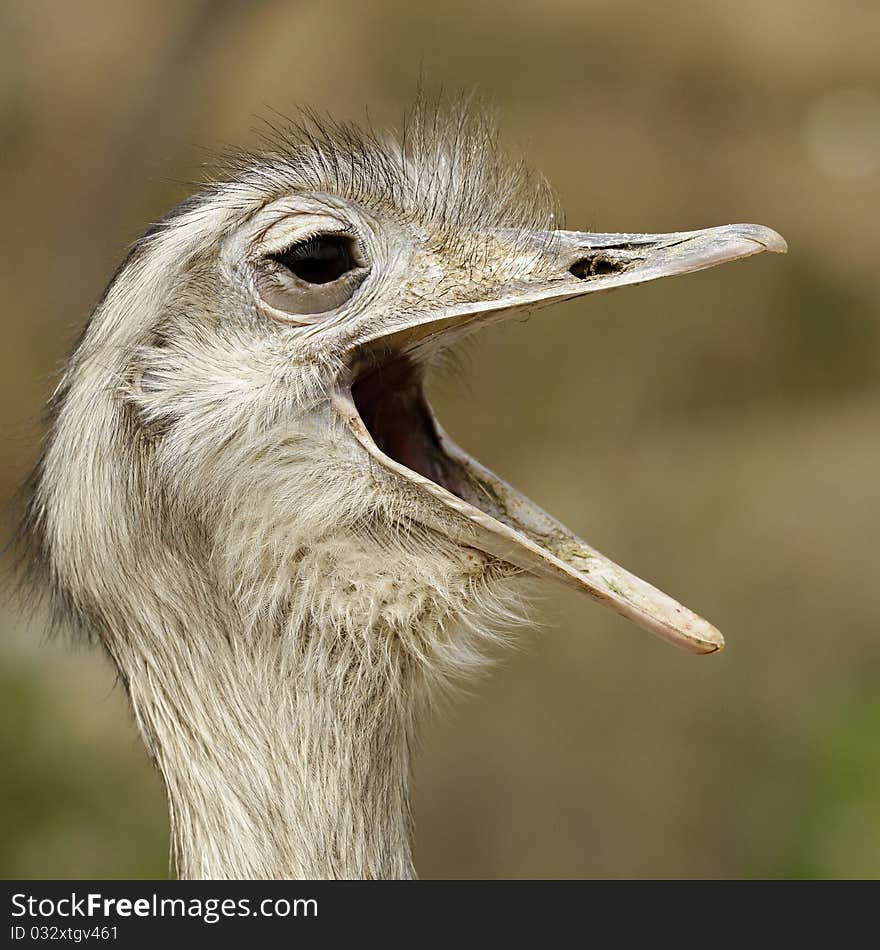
350 232
299 250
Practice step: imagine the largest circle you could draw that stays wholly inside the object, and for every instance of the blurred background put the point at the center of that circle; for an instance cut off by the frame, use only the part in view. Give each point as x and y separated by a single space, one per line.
716 434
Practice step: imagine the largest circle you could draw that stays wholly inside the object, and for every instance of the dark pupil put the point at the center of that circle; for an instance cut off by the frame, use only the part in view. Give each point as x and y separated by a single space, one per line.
319 260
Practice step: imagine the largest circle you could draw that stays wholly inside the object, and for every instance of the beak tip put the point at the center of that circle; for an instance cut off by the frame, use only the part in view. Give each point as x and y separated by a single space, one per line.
713 644
777 243
769 239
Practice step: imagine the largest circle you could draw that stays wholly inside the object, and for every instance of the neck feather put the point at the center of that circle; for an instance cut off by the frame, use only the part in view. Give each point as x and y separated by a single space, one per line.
279 766
277 683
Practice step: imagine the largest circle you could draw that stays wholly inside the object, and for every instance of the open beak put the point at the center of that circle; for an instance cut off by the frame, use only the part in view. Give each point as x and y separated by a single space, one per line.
383 404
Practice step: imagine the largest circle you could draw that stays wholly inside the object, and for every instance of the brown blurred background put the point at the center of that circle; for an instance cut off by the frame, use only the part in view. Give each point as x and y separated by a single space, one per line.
717 434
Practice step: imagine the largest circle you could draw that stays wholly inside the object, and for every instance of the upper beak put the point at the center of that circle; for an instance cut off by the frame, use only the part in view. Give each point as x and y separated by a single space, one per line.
585 263
615 260
498 519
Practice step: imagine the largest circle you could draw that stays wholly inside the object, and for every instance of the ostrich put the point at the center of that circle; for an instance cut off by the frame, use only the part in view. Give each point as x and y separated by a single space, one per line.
246 499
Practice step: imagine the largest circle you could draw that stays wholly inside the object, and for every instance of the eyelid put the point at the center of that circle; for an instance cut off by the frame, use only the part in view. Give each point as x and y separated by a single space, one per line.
267 244
299 302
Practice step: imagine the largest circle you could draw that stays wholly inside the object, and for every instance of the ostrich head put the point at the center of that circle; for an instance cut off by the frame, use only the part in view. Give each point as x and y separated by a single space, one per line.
246 498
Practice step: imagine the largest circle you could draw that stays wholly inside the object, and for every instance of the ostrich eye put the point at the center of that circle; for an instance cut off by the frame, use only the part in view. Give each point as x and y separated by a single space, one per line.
313 276
319 260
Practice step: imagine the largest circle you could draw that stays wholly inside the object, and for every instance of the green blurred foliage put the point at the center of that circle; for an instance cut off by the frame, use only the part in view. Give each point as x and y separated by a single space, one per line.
716 434
69 810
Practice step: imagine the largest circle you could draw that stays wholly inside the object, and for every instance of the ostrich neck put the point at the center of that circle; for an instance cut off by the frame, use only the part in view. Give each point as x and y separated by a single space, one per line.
278 763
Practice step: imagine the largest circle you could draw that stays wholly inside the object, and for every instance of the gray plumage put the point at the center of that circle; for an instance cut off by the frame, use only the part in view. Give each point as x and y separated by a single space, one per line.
245 498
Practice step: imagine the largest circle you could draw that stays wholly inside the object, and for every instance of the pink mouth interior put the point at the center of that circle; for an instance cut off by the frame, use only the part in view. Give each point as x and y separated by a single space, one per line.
390 399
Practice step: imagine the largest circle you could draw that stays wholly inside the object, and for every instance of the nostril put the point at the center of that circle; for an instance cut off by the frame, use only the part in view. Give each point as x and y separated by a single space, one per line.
596 266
